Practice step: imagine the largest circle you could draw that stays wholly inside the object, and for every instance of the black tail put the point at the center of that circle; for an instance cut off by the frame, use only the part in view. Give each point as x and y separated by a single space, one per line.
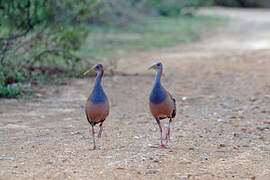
174 110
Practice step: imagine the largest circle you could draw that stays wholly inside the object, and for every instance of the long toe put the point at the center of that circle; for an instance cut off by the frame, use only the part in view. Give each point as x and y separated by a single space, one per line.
161 146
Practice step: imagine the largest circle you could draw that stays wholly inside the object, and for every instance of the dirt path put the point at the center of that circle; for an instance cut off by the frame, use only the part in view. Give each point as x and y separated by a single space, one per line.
222 88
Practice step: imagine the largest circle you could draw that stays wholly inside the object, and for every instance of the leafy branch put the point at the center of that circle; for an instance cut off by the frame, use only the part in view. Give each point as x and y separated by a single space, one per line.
8 40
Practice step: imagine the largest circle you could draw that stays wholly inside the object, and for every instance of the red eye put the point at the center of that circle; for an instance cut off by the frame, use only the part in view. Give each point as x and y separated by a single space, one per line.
158 64
97 67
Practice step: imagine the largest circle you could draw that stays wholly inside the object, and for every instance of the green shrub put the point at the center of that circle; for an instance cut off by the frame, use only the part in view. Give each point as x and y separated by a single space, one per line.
8 91
37 36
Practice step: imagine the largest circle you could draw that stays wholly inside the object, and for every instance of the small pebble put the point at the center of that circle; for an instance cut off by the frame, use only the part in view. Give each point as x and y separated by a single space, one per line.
75 133
219 120
111 163
262 127
70 126
204 157
184 98
160 154
7 158
252 136
38 95
252 99
222 145
110 157
43 135
136 137
144 155
151 171
42 116
184 163
36 142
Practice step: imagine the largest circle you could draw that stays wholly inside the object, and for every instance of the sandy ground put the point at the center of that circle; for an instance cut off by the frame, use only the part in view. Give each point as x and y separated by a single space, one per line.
221 130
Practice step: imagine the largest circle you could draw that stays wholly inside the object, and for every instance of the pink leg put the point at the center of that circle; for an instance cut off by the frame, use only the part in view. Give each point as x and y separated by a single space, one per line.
100 130
161 142
93 134
168 135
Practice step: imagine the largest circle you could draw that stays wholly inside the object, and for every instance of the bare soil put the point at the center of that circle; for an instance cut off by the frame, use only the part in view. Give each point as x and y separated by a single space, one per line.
221 130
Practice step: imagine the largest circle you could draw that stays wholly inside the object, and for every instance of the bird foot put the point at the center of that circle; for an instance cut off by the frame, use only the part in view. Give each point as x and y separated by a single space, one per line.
161 146
94 148
99 135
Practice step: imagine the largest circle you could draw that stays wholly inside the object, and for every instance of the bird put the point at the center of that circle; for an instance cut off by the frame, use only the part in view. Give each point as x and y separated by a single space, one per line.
161 103
97 104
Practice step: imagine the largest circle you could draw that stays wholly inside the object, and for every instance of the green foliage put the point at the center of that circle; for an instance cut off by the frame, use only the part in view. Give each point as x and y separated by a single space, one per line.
20 14
68 38
8 91
40 39
37 37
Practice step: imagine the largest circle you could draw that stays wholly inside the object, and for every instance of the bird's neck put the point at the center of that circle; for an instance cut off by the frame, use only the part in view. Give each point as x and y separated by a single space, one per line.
98 79
98 96
158 95
158 77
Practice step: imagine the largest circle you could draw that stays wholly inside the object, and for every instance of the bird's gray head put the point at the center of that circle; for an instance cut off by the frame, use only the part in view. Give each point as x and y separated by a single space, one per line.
156 66
97 67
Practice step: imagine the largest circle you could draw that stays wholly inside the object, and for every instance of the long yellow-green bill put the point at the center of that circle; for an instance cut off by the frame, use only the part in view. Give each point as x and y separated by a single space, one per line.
87 71
152 67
